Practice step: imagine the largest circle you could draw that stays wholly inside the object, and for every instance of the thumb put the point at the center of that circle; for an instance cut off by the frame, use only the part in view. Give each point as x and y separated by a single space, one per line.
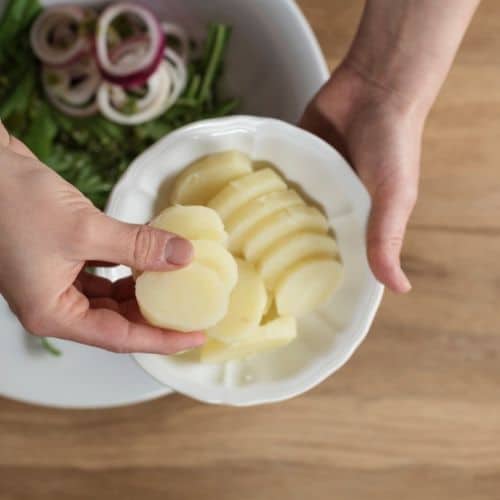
391 209
141 247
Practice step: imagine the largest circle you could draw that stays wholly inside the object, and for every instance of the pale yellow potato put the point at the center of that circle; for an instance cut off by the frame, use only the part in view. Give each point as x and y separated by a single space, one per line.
214 256
193 222
265 338
307 285
246 306
205 177
238 192
287 221
188 299
292 249
241 222
269 303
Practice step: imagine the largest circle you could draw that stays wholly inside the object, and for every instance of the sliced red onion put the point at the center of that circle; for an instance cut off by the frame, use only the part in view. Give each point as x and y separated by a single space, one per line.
111 97
73 89
129 70
178 77
130 52
53 38
175 31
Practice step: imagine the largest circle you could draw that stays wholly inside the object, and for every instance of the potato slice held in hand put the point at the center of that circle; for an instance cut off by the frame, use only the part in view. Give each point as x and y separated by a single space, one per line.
241 222
307 285
205 177
192 222
276 333
188 299
240 191
288 221
214 256
292 249
247 304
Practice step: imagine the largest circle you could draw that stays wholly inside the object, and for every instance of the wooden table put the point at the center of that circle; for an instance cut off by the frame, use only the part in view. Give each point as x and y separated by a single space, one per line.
416 412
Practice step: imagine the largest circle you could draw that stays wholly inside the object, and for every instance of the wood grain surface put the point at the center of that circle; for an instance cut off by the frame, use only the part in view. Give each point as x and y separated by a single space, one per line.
414 415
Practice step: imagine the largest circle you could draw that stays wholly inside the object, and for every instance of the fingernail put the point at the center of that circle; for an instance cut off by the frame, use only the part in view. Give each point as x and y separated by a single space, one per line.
178 251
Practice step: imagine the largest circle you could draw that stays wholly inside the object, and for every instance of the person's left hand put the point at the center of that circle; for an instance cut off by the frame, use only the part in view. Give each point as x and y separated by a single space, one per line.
379 133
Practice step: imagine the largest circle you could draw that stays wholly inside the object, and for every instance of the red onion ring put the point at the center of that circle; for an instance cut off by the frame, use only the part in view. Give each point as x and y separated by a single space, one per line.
75 99
131 72
52 19
133 48
149 107
178 77
175 31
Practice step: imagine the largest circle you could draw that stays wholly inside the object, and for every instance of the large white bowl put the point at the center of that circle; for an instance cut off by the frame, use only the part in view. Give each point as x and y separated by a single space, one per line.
274 64
327 337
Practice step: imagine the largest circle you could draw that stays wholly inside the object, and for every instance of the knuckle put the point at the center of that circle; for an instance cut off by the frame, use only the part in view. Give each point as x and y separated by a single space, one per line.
120 342
117 348
145 247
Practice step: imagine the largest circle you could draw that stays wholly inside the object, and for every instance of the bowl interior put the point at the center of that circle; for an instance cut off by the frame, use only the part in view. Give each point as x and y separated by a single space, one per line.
326 337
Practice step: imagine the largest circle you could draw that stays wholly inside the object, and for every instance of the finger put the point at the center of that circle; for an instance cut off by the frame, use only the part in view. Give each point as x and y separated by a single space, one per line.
392 206
124 289
137 246
112 331
94 286
103 327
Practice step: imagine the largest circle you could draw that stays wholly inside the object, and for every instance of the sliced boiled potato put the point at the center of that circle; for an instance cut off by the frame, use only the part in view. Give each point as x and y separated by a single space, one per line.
191 222
241 222
242 190
269 303
287 221
292 249
191 298
246 306
307 285
272 335
205 177
214 256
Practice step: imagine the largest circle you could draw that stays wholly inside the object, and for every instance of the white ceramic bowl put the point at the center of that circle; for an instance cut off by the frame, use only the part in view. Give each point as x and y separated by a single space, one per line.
275 65
327 337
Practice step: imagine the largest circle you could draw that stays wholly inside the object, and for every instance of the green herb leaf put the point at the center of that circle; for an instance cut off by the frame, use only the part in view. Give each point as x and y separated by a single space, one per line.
41 132
50 347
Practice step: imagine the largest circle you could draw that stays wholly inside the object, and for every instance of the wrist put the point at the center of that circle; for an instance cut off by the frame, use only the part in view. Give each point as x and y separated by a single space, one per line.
387 87
349 91
406 48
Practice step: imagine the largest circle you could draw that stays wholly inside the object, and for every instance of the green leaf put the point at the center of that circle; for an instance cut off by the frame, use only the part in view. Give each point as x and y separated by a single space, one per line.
50 347
17 16
19 98
215 54
41 132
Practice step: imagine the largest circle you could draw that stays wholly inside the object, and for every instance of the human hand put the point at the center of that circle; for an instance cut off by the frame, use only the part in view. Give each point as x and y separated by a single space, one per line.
50 232
374 107
380 136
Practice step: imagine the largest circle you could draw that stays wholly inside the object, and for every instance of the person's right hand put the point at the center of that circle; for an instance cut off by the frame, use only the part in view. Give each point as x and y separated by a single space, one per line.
49 233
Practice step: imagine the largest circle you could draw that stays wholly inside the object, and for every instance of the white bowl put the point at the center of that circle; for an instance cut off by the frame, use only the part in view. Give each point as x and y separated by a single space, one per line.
274 64
327 337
